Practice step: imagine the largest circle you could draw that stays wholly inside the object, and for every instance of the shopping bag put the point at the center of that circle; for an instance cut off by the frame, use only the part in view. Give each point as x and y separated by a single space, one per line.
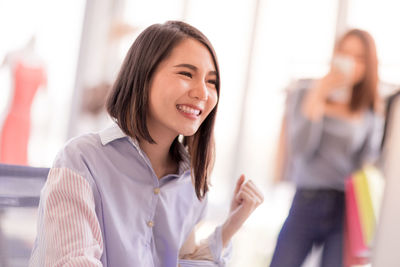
363 190
376 185
355 248
364 204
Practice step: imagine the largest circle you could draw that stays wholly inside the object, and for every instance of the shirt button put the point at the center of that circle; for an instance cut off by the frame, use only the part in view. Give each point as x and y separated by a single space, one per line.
156 190
150 224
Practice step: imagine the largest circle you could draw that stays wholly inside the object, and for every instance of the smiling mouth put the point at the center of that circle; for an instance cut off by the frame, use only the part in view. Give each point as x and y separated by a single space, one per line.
189 110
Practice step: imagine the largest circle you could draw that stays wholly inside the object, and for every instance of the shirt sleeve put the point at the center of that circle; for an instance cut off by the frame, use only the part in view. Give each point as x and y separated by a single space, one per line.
209 252
69 233
304 135
371 148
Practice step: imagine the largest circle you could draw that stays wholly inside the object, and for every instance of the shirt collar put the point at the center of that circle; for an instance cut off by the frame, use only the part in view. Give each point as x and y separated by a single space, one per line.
110 134
114 132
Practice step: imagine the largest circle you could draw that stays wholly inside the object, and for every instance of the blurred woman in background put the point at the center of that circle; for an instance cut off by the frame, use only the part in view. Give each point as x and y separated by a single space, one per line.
333 126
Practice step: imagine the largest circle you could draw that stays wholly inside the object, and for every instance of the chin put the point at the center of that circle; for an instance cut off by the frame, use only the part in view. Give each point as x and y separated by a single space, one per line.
189 132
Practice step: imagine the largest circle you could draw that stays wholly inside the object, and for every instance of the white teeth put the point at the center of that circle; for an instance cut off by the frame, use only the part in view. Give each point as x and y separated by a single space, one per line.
189 110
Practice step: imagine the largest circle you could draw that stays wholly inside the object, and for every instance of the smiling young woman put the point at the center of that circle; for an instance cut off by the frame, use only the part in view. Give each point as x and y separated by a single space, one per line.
132 194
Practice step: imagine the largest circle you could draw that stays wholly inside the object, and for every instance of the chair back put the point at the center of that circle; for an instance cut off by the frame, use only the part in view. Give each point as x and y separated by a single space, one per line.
20 188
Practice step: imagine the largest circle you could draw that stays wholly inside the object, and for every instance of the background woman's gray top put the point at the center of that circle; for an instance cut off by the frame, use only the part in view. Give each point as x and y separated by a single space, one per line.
323 154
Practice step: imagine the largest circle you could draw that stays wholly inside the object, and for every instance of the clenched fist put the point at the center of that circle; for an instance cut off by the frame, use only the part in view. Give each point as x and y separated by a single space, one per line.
246 198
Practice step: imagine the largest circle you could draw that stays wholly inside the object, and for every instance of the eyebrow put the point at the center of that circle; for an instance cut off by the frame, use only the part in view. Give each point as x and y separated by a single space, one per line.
193 68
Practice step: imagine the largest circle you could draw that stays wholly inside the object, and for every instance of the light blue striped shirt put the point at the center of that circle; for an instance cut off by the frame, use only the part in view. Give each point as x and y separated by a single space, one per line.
144 221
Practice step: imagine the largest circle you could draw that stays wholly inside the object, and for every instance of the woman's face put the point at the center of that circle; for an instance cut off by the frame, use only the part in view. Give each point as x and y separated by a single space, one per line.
182 91
354 48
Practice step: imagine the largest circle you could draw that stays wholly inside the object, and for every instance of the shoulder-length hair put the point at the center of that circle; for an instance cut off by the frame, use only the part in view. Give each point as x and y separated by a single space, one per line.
128 104
365 93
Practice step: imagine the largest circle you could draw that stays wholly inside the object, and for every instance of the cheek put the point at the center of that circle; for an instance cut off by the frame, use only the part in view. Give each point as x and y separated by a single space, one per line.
154 99
213 99
177 85
211 103
359 72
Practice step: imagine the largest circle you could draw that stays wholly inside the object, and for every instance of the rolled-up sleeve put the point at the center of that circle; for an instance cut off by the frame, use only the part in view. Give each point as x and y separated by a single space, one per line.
69 233
209 252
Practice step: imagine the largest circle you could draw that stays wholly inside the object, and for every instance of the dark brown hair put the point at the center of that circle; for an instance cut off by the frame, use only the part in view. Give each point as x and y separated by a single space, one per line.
128 99
365 93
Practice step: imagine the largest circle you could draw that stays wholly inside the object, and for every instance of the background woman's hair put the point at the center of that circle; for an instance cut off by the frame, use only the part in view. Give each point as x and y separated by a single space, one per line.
128 100
365 93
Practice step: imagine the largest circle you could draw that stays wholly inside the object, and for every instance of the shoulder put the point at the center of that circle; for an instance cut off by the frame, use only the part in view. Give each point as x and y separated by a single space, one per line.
90 140
296 90
299 85
76 152
70 175
81 145
295 94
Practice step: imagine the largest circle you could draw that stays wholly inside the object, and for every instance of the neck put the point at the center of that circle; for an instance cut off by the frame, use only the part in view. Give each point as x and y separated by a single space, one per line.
342 110
159 155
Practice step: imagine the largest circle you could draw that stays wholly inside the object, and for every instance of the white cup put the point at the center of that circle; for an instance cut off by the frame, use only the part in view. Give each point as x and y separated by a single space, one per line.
344 64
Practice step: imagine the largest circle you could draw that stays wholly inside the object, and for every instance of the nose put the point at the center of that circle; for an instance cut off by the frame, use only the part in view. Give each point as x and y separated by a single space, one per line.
199 91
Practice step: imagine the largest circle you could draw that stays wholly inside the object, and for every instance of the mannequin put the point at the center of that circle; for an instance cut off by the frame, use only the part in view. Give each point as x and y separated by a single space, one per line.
28 75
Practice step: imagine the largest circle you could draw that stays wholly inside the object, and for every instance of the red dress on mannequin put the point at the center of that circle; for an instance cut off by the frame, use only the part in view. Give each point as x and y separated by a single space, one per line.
16 128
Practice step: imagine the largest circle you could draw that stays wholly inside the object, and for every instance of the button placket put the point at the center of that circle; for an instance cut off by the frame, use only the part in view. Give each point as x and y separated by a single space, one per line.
150 223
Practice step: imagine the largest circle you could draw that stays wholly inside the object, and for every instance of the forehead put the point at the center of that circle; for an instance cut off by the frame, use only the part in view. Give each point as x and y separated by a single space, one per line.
352 45
191 51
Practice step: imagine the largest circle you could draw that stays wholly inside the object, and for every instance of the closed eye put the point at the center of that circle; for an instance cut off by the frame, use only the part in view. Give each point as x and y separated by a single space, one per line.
185 73
214 82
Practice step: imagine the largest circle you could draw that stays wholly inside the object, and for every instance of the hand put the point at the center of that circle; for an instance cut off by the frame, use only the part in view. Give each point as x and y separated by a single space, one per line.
339 76
333 79
246 198
314 103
